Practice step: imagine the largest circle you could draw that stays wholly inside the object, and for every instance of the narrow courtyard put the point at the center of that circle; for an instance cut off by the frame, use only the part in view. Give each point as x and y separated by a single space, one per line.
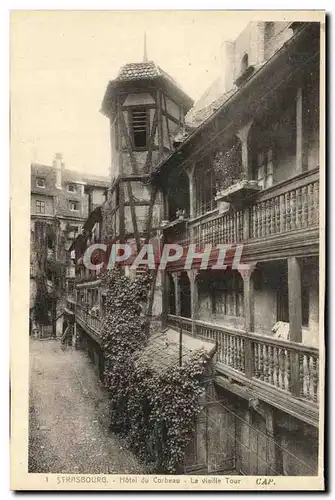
68 425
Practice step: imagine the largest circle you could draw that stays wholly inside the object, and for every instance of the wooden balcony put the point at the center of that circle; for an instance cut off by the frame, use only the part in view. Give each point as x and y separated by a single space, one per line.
70 306
290 206
92 324
284 373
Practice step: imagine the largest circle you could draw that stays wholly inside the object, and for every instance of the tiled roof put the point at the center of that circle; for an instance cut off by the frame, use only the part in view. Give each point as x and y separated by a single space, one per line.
196 116
162 351
146 71
49 174
136 71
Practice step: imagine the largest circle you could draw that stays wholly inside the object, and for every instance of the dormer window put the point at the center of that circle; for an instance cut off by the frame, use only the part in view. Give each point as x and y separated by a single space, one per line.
72 188
40 182
245 72
139 119
244 63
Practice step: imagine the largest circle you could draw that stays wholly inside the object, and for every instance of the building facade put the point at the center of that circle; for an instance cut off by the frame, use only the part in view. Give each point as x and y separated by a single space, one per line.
61 200
240 169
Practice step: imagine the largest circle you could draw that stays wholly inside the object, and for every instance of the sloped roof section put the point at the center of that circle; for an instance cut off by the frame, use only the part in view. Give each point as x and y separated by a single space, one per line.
141 72
162 351
138 71
48 172
198 115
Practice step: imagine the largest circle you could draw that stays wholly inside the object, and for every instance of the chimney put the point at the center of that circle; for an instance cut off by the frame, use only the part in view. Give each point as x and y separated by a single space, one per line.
59 166
227 65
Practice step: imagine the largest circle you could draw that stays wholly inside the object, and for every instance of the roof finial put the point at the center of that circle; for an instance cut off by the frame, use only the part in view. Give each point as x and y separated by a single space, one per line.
145 55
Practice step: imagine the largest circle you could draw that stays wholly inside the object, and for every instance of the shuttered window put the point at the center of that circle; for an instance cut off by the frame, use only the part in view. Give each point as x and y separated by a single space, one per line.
140 128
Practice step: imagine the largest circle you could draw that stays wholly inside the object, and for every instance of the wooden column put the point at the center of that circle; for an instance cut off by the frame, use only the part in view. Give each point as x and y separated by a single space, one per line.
190 174
119 145
249 313
248 295
175 277
121 212
243 134
246 223
160 124
165 298
192 274
294 299
299 132
295 317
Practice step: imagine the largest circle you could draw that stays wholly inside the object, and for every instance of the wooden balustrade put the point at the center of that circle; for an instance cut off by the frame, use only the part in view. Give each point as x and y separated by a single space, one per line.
175 322
281 210
91 320
227 228
266 359
288 206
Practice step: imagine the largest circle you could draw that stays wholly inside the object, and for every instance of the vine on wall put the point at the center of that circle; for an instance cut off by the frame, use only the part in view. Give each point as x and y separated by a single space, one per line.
155 411
48 235
227 167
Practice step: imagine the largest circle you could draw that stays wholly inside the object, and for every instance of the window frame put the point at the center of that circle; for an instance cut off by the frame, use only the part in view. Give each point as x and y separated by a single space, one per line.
40 204
73 185
74 202
131 111
37 182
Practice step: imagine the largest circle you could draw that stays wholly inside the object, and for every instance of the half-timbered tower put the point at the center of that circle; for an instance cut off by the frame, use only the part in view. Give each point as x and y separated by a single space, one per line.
145 107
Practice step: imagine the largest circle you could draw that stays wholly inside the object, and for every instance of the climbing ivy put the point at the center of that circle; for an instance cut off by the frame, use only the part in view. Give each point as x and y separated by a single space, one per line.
227 167
155 411
46 235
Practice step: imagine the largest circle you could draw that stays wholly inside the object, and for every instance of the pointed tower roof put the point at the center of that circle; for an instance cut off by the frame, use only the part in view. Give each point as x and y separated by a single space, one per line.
144 74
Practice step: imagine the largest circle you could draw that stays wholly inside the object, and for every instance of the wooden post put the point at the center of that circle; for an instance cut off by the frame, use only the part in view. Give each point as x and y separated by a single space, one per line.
243 134
119 135
294 297
190 174
165 297
248 295
121 212
295 317
175 277
181 343
299 132
249 308
192 274
160 124
246 223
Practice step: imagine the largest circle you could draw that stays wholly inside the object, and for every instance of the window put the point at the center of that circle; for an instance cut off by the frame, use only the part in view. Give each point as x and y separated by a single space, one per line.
265 169
74 206
40 207
244 63
72 188
40 182
139 126
228 296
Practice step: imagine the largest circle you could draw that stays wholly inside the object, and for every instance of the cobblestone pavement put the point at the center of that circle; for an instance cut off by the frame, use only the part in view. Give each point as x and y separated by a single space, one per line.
68 425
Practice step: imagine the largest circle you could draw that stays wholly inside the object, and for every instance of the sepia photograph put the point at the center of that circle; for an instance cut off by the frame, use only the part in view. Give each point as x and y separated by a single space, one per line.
168 247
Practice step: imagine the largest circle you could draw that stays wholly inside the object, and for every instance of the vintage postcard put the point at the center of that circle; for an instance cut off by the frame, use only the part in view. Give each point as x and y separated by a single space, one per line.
168 244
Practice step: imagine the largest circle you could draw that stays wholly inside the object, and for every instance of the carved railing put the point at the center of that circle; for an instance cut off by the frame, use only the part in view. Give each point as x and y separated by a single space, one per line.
284 365
226 228
89 319
175 322
288 206
291 206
